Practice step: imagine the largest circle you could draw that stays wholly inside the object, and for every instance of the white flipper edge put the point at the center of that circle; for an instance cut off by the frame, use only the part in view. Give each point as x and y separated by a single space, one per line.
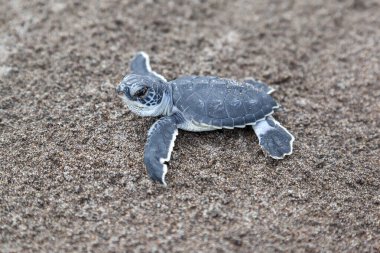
146 56
167 159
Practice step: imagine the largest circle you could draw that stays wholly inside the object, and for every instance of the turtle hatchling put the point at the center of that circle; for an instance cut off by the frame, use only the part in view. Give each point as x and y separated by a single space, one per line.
199 103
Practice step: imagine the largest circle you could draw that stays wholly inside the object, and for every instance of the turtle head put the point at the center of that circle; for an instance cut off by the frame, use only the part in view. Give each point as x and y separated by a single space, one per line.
145 95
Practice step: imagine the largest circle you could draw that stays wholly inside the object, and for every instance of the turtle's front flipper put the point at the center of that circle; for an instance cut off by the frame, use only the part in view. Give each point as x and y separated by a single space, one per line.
274 138
140 65
161 137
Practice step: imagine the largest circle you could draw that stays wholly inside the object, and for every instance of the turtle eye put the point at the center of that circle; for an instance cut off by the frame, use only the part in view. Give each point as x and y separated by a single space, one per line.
141 93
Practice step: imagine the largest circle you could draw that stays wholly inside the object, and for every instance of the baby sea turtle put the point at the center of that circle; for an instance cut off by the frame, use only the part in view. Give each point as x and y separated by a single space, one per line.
199 103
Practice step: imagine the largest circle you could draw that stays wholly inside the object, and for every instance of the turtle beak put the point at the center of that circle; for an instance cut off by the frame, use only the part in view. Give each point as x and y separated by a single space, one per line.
123 90
120 89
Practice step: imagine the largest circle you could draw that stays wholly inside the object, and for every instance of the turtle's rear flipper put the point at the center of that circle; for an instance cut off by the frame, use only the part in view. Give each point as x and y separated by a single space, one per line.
260 85
274 138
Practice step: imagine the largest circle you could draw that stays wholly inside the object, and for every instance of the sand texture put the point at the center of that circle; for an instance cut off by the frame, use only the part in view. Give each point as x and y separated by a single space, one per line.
72 177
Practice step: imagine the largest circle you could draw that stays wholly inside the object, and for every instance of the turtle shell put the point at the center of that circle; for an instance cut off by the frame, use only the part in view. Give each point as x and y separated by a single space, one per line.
221 103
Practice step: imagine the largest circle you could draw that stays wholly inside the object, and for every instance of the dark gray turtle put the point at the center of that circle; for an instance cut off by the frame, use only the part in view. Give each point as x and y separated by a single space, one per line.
199 103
